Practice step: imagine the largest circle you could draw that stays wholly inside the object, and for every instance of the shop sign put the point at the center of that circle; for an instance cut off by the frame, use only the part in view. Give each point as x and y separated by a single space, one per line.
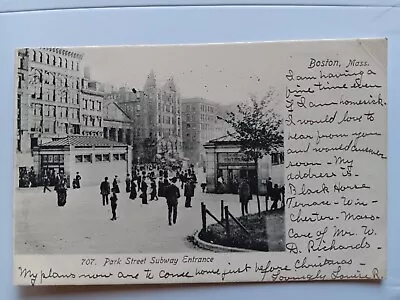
234 158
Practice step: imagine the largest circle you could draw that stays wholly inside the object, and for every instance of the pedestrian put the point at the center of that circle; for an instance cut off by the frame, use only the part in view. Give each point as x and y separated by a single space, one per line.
143 188
46 183
189 193
113 202
133 193
244 196
220 184
203 187
105 190
115 185
61 189
172 195
128 183
153 186
269 192
32 177
77 181
160 192
275 196
283 195
139 181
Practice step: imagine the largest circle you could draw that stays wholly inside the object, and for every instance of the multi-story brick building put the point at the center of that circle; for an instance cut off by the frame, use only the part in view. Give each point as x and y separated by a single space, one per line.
122 118
168 124
48 94
92 100
155 119
23 158
54 90
200 125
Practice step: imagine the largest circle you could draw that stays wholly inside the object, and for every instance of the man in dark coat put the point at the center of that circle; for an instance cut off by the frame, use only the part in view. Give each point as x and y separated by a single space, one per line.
77 181
113 200
269 192
244 196
153 193
143 188
105 190
189 192
172 195
115 185
46 183
275 196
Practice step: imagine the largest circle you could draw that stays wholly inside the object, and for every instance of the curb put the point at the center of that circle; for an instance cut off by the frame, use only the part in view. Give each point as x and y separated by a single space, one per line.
216 248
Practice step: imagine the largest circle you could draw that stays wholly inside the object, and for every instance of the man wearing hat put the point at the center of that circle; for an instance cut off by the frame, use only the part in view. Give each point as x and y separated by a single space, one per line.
172 195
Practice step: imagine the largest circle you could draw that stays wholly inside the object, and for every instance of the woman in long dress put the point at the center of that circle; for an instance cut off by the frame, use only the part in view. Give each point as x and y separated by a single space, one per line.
133 193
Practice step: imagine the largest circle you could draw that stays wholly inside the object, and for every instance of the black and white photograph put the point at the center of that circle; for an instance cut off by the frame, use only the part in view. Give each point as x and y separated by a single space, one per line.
148 149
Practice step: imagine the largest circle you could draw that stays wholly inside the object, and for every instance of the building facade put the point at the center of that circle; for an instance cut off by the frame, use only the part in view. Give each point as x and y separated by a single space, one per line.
123 113
48 95
168 122
23 159
200 125
92 100
93 157
225 159
117 124
155 115
54 88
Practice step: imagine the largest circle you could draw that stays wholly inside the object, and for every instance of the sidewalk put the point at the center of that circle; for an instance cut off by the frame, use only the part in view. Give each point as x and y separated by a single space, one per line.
84 225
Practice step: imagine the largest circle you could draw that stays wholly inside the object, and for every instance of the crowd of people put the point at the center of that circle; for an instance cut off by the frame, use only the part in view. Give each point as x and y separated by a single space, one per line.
152 183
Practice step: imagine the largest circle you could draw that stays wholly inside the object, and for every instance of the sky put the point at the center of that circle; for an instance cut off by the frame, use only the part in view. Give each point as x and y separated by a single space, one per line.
221 73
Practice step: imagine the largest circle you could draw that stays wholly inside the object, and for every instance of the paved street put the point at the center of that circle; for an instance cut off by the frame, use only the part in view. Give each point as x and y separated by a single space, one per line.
84 225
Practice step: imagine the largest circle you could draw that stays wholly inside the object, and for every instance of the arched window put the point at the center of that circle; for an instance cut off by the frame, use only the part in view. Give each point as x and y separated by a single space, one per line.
60 62
40 57
72 65
53 60
65 63
34 56
47 59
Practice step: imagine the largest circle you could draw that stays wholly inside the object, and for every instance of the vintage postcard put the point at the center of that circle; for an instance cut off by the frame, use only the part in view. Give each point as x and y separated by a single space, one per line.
261 161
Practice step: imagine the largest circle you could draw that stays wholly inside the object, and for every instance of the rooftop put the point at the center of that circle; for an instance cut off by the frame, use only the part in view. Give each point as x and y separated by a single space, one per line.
223 140
82 141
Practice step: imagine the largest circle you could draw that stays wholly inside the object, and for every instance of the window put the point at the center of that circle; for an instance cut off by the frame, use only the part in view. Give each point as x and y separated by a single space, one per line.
78 158
47 59
122 156
72 65
53 58
106 157
77 66
40 57
34 56
86 102
98 157
275 158
92 104
60 62
99 105
87 158
282 157
115 156
20 79
65 63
